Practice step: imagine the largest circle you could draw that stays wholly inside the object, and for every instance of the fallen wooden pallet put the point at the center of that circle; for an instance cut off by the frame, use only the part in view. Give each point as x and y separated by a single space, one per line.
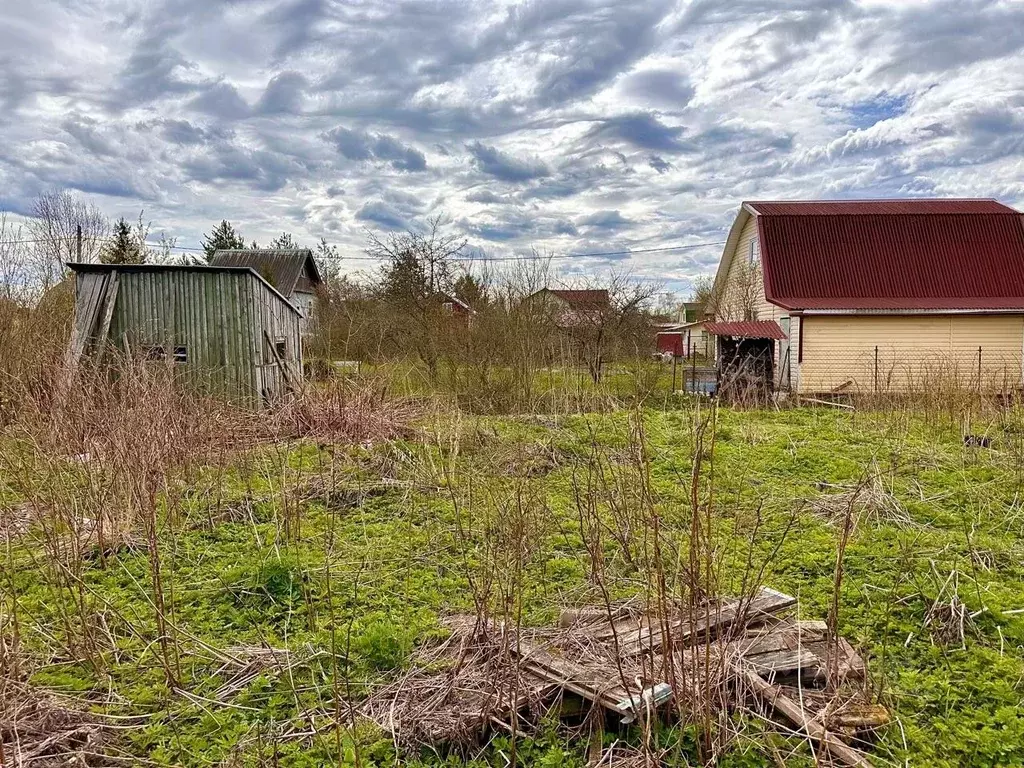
747 648
649 635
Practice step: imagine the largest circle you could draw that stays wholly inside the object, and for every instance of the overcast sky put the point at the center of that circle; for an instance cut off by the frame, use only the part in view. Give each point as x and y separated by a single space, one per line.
569 126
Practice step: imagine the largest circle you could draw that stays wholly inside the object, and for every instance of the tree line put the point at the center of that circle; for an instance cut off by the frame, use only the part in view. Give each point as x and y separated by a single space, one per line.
488 332
62 227
431 301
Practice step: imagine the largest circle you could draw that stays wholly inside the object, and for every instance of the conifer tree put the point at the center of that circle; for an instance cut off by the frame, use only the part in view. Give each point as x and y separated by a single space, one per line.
124 246
222 236
284 241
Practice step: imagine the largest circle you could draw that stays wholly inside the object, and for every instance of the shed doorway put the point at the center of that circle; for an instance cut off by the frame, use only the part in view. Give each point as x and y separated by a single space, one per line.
746 359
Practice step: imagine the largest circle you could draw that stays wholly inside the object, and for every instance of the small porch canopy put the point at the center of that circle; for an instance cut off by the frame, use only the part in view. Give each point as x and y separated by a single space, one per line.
747 329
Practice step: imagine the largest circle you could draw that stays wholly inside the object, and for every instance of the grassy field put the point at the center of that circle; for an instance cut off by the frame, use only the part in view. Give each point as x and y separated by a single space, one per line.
347 556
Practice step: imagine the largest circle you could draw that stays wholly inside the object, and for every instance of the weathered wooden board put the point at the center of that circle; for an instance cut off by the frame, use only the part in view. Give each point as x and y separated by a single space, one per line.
649 636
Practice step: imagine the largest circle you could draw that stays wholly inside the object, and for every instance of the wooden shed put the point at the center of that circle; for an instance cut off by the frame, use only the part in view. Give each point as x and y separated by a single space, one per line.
226 330
292 271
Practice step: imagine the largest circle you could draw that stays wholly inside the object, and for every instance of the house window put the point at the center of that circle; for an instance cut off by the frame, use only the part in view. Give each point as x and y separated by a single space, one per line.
281 347
448 307
755 252
155 352
181 354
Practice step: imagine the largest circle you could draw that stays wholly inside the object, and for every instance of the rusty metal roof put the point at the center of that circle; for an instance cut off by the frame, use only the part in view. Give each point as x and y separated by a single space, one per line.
746 329
582 299
281 267
892 254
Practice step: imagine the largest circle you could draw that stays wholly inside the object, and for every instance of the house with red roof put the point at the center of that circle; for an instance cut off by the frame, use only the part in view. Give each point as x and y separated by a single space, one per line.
569 308
877 295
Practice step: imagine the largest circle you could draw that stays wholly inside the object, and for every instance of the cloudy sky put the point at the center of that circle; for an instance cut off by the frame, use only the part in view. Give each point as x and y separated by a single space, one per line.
569 126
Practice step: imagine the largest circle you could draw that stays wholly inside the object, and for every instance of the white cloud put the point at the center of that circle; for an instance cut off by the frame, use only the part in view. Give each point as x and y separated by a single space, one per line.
565 125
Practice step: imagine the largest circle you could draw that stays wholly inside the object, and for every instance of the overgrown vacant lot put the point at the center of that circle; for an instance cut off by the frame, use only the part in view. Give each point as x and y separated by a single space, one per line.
152 641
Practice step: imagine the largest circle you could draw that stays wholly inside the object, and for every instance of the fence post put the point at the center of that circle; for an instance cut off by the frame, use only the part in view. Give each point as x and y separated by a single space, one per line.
693 368
876 368
979 370
675 364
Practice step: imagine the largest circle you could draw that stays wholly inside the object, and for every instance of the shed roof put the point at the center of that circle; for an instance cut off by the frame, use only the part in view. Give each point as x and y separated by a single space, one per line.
747 329
281 266
890 254
100 267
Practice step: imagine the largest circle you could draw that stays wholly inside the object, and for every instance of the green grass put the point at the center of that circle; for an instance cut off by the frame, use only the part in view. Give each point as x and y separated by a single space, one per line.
364 581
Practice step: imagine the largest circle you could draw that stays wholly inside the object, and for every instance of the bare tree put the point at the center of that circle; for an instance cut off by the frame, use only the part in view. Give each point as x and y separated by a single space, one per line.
60 221
415 283
620 326
433 251
736 298
705 294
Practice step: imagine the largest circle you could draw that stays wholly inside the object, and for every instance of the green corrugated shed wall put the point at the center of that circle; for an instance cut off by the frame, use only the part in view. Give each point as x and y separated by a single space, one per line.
227 321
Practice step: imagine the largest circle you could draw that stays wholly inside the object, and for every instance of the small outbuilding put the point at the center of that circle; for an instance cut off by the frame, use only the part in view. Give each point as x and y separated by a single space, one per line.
226 330
745 353
292 271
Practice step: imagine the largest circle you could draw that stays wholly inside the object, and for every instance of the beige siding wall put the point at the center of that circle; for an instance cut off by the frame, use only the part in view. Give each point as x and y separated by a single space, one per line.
743 293
914 352
795 329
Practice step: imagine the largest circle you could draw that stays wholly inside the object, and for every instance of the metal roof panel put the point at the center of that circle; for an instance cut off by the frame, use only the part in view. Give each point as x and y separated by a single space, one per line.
917 254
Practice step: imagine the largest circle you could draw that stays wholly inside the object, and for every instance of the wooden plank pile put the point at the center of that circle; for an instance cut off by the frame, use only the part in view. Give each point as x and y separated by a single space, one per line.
626 665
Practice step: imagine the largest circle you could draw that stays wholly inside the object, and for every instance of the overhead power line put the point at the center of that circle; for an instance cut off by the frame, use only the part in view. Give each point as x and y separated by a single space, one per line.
366 257
531 257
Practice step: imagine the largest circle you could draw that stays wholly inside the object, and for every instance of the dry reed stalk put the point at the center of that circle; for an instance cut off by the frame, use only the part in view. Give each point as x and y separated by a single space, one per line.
869 502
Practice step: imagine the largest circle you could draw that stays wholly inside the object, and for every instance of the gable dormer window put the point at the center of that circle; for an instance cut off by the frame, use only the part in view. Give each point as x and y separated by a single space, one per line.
754 257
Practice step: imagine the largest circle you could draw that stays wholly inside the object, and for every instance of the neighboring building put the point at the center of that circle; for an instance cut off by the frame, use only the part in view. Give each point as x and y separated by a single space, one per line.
454 306
690 312
669 340
880 294
226 329
292 271
571 307
683 340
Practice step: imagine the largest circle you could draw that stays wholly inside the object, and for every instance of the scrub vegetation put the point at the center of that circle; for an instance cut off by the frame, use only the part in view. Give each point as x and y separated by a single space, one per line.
185 584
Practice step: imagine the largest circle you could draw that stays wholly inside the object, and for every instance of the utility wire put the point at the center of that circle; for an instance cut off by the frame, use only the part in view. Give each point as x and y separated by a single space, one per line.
537 257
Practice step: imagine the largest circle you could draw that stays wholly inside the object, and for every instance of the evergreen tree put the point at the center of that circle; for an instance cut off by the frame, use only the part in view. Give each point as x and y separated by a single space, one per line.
470 290
327 258
222 236
404 282
284 241
124 247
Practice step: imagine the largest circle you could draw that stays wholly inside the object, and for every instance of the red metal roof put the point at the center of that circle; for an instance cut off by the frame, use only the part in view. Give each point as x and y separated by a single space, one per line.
920 207
892 254
582 299
747 329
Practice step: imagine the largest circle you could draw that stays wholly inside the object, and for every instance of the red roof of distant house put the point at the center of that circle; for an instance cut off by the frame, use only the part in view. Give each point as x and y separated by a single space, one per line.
747 329
892 254
582 299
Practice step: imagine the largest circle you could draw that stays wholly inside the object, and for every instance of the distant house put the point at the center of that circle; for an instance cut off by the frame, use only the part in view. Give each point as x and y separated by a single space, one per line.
690 312
877 294
292 271
683 339
226 330
454 306
571 307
